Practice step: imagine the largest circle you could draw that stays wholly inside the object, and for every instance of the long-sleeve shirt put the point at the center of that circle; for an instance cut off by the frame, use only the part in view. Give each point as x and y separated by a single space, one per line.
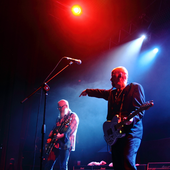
130 99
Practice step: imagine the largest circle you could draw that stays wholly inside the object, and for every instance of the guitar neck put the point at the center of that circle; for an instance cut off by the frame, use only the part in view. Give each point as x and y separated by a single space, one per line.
120 124
61 127
134 114
66 121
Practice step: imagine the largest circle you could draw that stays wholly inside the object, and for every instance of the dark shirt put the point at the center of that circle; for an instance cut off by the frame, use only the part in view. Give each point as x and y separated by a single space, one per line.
131 98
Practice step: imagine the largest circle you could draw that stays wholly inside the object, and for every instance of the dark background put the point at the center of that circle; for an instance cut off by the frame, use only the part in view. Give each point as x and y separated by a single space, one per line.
36 34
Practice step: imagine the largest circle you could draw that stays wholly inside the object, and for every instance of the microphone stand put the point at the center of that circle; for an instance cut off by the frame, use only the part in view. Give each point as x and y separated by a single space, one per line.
46 88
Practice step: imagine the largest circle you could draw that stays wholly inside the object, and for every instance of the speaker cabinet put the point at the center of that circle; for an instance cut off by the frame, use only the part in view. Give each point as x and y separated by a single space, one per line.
141 166
158 166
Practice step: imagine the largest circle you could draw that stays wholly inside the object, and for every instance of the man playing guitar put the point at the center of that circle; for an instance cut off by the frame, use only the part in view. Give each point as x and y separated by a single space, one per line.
123 99
62 138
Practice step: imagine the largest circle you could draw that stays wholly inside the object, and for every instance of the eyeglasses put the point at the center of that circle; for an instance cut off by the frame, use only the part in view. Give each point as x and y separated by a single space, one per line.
60 107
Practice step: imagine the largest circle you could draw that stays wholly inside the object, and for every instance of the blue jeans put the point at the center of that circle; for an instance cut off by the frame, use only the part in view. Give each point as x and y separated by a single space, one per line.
124 153
58 154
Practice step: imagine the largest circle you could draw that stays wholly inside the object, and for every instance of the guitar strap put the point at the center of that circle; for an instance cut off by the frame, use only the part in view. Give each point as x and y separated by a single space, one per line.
123 97
111 98
121 106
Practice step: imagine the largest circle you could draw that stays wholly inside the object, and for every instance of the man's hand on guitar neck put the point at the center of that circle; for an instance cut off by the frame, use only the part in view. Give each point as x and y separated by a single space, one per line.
128 122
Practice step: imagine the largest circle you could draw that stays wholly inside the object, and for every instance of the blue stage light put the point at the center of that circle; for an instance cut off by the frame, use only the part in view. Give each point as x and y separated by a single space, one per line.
155 50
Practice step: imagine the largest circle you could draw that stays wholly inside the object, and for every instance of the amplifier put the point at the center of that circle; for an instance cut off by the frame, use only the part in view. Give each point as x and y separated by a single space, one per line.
141 166
158 166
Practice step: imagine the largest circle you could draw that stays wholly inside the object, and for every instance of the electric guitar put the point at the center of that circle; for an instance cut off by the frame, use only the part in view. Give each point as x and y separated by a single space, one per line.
49 146
113 129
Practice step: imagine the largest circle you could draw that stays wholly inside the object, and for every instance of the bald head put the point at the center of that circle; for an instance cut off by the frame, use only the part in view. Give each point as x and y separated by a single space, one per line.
63 107
119 77
63 101
120 69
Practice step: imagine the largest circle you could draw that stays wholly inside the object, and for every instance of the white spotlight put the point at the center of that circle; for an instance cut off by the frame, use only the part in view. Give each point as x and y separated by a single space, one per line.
143 37
155 50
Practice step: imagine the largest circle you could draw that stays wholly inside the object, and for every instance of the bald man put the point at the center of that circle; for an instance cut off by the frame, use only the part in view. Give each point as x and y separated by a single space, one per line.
123 99
64 135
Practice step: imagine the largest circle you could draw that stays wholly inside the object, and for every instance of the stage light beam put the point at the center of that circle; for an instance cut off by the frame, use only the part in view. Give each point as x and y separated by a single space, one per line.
147 59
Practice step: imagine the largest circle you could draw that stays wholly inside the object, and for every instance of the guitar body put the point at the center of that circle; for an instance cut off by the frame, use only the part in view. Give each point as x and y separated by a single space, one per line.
110 132
49 146
113 129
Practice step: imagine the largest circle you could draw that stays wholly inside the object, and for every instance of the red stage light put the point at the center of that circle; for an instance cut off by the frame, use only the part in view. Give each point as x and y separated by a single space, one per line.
76 10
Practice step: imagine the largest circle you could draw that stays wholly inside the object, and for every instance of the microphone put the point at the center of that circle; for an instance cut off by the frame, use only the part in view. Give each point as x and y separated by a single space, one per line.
74 60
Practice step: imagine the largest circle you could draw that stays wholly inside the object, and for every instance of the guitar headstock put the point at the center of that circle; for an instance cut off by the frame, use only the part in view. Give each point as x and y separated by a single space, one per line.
147 105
